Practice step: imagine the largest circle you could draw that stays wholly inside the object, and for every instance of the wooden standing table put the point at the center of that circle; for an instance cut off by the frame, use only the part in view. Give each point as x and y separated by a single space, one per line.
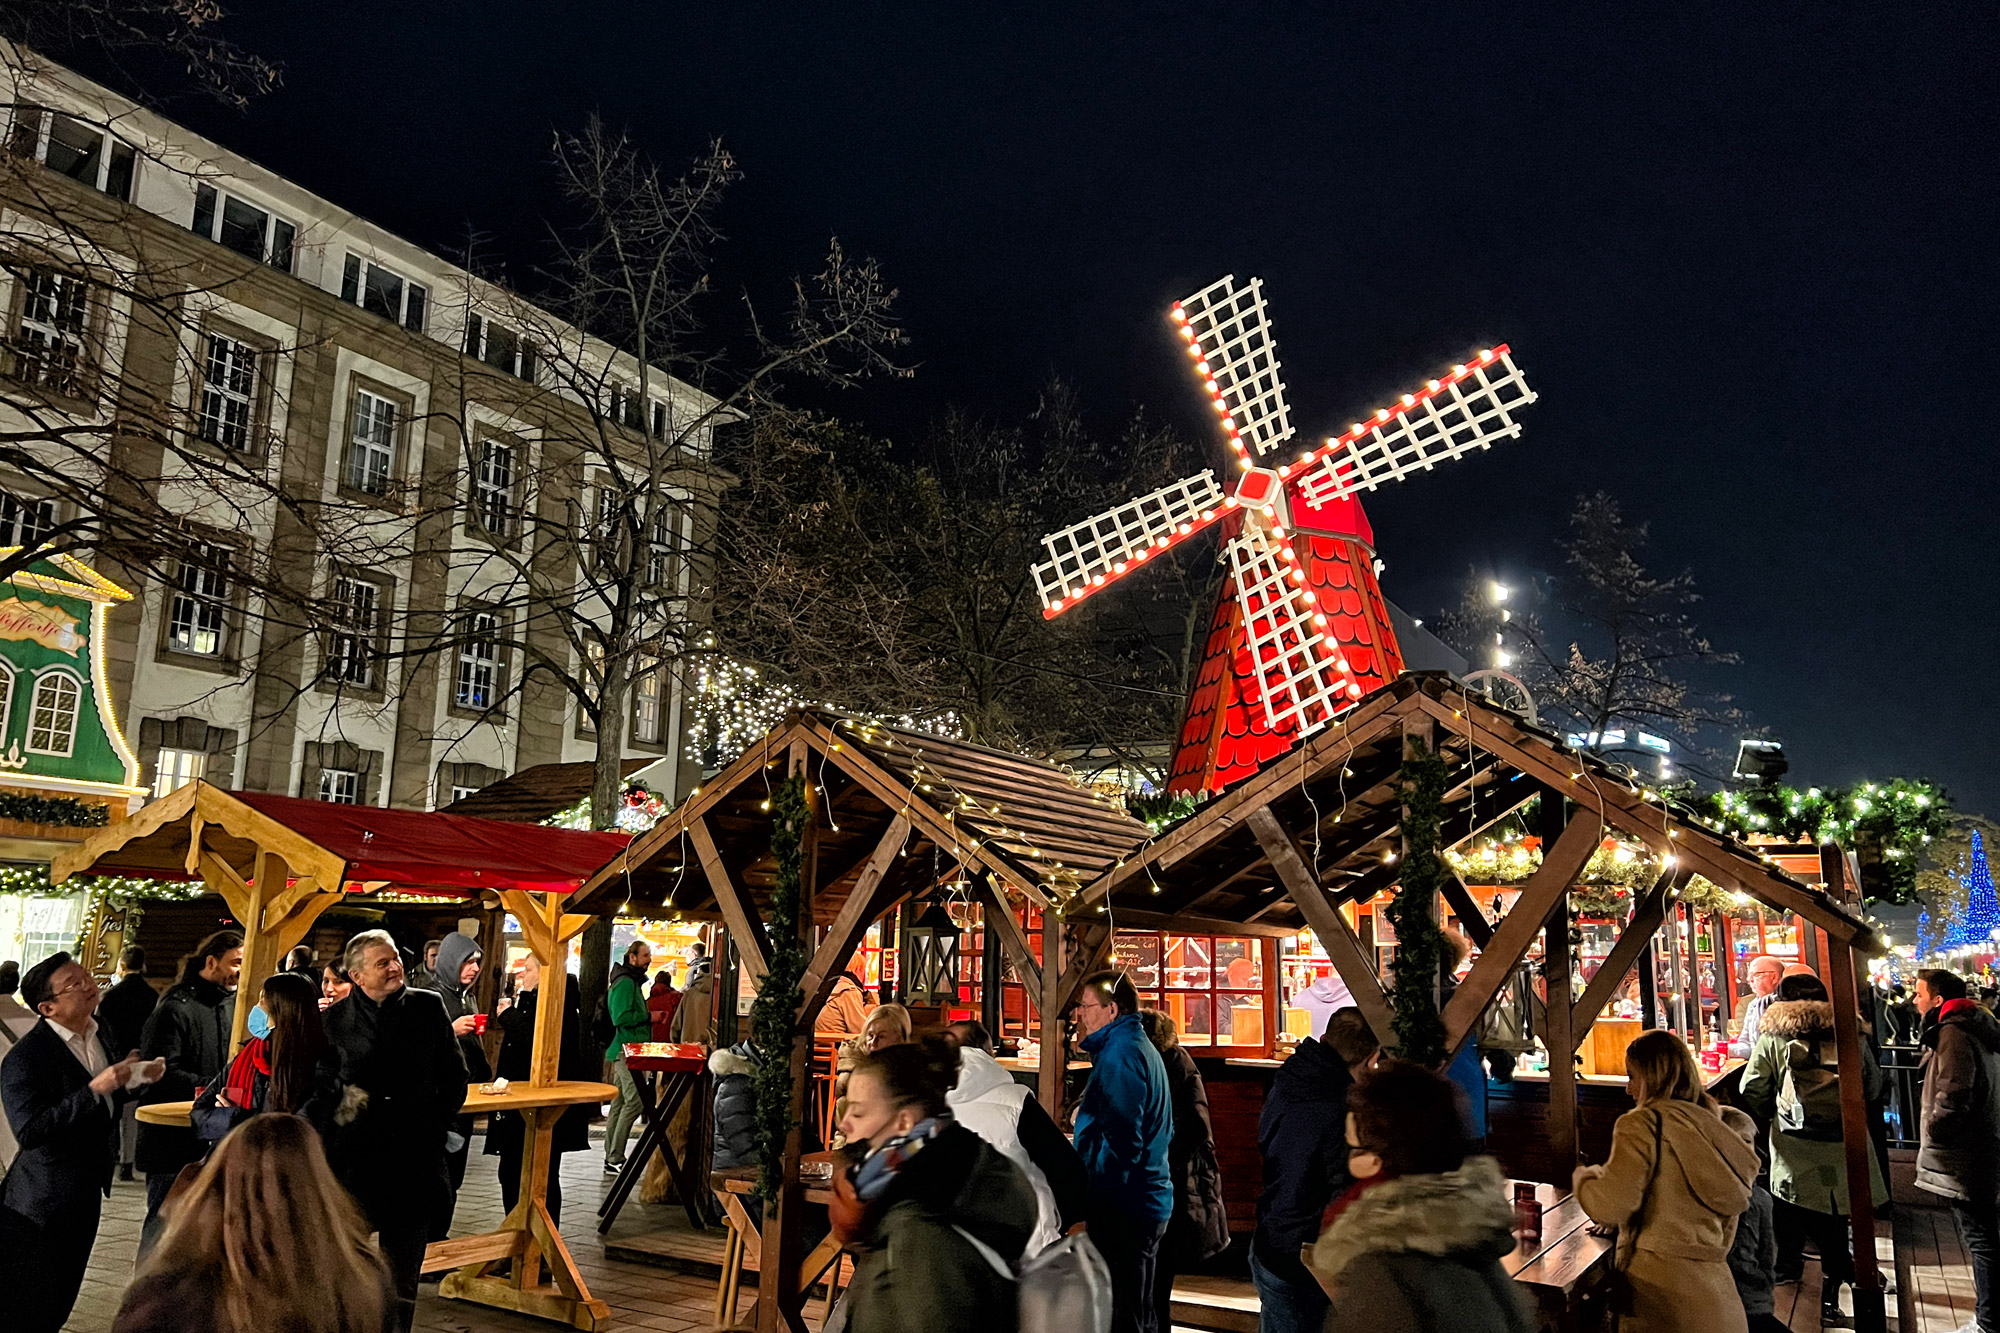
1567 1266
746 1241
680 1068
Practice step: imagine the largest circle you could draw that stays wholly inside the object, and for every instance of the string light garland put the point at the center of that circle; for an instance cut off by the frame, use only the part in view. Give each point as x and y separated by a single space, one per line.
1890 825
639 808
734 705
32 881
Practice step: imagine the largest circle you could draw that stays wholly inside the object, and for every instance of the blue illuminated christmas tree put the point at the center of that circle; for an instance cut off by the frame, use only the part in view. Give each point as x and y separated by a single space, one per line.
1982 907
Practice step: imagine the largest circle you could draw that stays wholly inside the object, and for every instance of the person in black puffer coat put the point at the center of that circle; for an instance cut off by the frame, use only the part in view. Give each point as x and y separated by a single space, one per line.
190 1030
1199 1228
575 1062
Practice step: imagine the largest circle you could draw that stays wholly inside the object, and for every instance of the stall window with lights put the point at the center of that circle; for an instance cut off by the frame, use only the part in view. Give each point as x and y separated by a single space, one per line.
1212 986
70 147
176 768
253 232
383 292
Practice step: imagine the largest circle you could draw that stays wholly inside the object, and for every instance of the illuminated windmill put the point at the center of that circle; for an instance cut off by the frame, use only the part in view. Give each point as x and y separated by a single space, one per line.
1300 630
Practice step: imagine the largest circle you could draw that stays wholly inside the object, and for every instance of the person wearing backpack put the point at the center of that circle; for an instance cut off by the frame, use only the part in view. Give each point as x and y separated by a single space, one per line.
1792 1084
931 1211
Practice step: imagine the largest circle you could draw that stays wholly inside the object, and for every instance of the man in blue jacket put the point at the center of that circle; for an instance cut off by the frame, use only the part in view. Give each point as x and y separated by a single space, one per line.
1124 1125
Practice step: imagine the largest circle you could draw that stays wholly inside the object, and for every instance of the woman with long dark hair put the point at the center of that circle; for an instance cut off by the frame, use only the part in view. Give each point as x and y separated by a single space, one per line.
265 1239
278 1067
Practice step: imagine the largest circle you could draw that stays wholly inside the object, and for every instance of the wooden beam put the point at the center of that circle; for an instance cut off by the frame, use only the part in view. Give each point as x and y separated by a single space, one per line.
1844 988
871 896
1054 1060
1093 947
1343 950
744 928
1187 923
1561 1038
1648 911
1477 928
1540 896
1013 938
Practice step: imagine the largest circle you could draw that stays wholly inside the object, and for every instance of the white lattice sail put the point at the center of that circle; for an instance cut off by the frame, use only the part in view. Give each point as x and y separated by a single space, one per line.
1085 556
1229 333
1468 409
1300 673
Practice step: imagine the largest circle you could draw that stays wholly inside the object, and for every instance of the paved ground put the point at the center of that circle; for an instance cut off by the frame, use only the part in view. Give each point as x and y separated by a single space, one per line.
642 1297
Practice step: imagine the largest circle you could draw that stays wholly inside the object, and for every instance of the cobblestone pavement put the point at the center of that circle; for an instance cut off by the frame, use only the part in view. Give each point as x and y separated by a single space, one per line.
642 1297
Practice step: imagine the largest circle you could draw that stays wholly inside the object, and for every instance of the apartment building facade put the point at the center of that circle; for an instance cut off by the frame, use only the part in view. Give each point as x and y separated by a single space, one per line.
369 455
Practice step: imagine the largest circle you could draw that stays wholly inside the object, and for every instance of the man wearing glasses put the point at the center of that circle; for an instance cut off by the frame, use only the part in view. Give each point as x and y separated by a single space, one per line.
1124 1125
1765 973
63 1089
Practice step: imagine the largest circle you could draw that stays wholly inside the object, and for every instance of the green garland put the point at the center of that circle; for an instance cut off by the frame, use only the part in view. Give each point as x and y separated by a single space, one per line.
32 881
1889 825
1419 943
773 1026
64 810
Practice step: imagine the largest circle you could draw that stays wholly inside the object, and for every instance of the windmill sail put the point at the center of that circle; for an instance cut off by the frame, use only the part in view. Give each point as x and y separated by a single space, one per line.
1300 675
1230 335
1085 556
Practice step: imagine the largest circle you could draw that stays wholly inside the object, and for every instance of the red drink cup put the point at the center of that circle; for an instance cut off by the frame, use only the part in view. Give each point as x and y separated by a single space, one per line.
479 1024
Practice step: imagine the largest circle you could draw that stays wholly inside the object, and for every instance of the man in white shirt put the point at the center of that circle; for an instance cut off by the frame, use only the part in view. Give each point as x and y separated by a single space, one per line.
1765 972
63 1091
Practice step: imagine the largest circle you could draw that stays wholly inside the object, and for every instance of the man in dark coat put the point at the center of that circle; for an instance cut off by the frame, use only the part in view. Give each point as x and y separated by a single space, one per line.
63 1088
123 1014
1959 1152
190 1031
1303 1136
454 978
393 1051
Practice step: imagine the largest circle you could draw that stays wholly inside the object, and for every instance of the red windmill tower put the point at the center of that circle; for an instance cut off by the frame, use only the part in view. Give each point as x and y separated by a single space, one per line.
1300 630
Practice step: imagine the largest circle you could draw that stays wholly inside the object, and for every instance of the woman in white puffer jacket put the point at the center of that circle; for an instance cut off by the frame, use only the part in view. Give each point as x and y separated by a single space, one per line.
992 1105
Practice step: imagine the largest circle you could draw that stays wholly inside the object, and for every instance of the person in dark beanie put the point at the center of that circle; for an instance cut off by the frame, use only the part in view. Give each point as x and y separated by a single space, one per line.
1303 1136
123 1015
1414 1246
1124 1131
1958 1157
62 1088
190 1030
392 1050
1199 1228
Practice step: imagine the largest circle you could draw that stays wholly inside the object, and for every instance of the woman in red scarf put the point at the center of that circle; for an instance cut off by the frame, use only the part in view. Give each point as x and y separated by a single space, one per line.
277 1069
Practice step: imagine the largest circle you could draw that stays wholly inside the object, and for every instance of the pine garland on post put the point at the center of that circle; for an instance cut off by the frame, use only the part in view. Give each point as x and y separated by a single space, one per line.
1419 942
772 1025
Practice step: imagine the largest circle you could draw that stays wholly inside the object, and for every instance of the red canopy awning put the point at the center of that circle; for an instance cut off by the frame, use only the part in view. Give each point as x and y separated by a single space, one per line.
420 850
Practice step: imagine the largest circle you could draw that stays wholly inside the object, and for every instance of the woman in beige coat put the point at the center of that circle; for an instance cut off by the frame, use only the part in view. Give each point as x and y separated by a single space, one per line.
1677 1181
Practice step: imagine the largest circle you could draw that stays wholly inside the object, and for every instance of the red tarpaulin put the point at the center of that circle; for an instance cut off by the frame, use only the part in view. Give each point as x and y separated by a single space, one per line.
415 850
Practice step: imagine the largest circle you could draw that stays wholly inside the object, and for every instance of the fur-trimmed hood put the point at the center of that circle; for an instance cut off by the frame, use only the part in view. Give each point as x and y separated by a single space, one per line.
1794 1020
1462 1216
737 1059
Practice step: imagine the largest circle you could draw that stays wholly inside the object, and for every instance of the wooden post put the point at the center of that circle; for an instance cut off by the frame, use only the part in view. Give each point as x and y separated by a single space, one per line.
989 967
1693 975
1649 983
1870 1315
1561 1042
1048 1004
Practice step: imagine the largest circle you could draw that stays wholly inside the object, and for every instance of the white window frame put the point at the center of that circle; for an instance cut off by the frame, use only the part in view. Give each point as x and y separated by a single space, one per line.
273 246
175 768
459 793
52 333
203 587
478 662
107 151
54 680
340 786
493 505
665 546
522 363
649 704
15 513
410 313
351 649
368 464
6 698
229 368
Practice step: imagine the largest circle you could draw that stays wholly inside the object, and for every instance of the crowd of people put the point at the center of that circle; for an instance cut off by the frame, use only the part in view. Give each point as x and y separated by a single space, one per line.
324 1155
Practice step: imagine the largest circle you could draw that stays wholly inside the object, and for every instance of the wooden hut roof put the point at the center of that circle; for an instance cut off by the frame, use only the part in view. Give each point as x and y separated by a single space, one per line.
1028 824
1334 801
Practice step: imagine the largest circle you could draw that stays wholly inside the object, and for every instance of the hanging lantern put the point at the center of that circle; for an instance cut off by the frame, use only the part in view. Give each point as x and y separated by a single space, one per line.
930 957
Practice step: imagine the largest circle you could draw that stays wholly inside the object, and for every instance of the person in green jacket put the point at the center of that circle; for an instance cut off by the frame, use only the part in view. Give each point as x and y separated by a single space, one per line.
631 1021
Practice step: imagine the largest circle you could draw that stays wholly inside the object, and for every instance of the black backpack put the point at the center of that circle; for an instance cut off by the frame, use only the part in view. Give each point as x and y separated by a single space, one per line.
602 1029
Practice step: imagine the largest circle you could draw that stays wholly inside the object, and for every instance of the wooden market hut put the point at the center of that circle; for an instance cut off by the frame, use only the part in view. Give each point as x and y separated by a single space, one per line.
280 862
895 814
1320 828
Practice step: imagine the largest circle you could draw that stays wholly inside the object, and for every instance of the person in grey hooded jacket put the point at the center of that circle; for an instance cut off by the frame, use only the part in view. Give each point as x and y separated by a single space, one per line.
453 979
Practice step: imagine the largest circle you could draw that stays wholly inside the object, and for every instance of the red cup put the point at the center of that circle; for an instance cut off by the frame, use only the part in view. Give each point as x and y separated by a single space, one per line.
479 1024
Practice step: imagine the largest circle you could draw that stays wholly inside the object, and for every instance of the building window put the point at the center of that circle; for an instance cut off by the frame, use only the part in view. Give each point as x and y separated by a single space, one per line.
659 421
174 769
387 294
51 344
198 609
500 347
357 614
71 148
661 550
628 408
26 521
228 391
371 444
493 488
52 723
648 713
6 700
245 228
478 661
460 793
341 786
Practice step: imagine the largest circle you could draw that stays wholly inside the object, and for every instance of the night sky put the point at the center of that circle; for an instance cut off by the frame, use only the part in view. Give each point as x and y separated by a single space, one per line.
1747 261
